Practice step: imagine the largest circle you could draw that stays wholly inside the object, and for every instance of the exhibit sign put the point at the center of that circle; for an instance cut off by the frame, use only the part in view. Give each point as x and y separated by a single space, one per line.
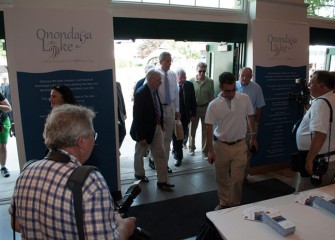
61 46
280 55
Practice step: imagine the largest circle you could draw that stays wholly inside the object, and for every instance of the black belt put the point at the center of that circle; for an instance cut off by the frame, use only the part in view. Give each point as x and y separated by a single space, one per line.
202 105
229 143
325 154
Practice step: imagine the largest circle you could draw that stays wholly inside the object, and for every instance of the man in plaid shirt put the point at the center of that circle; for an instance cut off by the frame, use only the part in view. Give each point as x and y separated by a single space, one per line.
42 203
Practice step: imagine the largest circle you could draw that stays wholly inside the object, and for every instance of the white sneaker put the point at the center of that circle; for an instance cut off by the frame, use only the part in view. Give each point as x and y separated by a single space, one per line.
191 152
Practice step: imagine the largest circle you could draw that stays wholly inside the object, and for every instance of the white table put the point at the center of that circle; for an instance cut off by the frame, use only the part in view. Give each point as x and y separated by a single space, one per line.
311 223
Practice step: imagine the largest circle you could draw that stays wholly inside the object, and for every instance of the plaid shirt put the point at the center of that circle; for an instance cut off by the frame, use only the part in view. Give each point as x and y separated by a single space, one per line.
44 205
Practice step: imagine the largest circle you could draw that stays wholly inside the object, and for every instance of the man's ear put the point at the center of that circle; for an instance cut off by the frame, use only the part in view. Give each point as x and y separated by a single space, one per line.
82 141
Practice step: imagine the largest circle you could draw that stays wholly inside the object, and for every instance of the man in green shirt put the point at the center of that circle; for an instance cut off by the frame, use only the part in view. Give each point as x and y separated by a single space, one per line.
204 93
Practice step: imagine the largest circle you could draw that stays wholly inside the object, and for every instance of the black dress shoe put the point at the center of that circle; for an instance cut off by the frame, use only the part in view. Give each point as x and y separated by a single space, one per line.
177 163
142 178
151 164
165 185
169 170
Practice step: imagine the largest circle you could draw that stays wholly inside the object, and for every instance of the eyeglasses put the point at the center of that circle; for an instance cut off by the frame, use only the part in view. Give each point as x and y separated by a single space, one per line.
229 91
202 71
95 135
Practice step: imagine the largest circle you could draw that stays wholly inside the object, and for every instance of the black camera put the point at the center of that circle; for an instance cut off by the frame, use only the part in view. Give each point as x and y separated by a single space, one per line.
320 166
122 206
303 97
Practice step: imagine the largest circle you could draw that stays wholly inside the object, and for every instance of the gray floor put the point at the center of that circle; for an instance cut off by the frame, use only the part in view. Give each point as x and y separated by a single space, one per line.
194 176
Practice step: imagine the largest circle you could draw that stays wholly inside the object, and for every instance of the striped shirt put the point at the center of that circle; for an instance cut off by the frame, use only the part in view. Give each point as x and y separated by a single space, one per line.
44 205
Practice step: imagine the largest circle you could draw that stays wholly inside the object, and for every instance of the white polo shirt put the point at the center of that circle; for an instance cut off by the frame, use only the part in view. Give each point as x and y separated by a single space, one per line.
231 124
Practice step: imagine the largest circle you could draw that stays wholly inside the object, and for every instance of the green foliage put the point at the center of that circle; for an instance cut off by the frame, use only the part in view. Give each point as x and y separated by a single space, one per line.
147 46
2 47
316 5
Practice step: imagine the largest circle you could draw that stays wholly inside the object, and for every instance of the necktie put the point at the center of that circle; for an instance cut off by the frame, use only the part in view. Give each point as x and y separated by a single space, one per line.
158 120
167 89
181 99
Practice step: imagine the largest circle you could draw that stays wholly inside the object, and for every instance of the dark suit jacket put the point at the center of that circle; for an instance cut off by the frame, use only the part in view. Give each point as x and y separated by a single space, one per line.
121 109
139 84
144 116
190 103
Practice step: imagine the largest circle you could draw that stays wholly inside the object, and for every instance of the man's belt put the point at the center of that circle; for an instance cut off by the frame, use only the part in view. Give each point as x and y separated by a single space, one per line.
229 143
325 154
202 105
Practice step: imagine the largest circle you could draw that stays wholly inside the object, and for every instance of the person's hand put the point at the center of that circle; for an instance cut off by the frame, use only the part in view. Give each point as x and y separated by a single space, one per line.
253 142
127 227
211 157
309 167
177 115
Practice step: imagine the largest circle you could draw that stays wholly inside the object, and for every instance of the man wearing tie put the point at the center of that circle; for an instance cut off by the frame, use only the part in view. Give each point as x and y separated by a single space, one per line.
147 129
169 95
187 109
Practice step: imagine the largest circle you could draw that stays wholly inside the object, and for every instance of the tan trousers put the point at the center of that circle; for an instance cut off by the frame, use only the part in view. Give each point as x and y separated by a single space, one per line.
201 113
230 162
158 156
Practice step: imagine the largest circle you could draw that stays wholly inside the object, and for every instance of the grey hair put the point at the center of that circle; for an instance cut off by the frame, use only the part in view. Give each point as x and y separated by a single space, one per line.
65 124
153 73
163 55
148 67
180 71
201 64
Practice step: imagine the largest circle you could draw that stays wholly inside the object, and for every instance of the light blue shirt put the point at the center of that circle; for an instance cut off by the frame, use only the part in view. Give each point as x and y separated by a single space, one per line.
254 91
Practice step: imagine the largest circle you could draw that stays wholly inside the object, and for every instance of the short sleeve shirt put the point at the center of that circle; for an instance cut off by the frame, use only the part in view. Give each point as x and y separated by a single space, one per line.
231 121
317 119
254 91
203 91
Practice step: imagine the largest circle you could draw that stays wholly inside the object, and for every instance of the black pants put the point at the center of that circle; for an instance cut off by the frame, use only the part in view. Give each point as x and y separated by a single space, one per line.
178 144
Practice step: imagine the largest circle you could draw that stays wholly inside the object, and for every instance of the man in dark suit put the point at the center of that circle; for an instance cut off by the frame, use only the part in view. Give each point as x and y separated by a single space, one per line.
122 114
147 129
187 108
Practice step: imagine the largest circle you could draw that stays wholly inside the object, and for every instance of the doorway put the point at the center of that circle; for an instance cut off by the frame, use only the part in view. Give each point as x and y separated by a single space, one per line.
131 58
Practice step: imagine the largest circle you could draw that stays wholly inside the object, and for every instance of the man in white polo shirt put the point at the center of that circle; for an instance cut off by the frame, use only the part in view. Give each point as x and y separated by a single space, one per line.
227 148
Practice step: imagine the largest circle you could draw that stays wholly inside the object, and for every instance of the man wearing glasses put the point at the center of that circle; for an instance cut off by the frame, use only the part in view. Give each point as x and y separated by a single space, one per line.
228 151
254 91
42 204
204 93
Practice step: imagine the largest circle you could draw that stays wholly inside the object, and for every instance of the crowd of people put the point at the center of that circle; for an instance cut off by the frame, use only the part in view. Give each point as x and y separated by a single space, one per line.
229 137
229 121
164 97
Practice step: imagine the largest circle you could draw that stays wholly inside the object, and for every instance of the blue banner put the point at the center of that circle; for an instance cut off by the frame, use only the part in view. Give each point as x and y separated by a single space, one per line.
275 137
91 89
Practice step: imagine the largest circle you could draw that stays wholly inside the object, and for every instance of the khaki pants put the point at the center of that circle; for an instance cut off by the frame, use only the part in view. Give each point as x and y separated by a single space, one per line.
230 162
157 153
201 113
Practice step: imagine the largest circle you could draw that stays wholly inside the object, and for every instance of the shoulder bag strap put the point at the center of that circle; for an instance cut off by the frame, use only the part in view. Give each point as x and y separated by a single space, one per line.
75 184
330 123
